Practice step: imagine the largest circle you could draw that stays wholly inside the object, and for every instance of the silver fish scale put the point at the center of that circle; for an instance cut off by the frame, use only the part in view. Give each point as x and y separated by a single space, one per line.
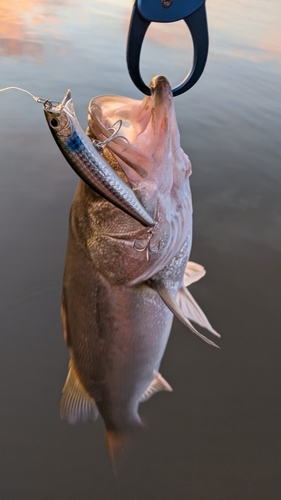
100 176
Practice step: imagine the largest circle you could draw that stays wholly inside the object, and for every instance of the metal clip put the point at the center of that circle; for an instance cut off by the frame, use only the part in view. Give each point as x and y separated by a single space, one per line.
47 103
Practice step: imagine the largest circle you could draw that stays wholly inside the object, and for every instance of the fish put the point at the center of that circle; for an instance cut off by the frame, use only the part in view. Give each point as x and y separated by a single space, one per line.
124 281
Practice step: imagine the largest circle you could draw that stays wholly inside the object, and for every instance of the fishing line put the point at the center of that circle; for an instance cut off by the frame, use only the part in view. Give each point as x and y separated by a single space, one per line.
37 99
49 104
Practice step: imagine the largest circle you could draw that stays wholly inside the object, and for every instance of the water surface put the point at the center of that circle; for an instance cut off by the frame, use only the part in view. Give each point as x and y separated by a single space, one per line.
217 436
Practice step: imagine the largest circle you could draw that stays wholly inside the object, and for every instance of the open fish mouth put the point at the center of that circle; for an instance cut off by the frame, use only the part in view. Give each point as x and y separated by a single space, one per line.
148 125
157 168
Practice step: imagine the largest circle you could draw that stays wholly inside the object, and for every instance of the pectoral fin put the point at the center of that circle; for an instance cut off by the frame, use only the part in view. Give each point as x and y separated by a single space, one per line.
157 384
173 306
192 310
76 404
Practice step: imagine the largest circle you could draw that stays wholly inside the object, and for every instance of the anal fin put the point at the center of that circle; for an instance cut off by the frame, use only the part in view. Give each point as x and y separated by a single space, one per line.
157 384
76 404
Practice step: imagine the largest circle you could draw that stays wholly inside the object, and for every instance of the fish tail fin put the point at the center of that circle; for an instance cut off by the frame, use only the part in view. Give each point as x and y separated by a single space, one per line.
117 441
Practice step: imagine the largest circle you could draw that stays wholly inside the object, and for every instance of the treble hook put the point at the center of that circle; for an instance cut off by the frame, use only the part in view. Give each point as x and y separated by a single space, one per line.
100 145
138 245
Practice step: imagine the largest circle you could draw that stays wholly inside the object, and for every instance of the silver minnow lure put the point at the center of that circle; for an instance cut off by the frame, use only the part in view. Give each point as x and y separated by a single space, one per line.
87 162
118 305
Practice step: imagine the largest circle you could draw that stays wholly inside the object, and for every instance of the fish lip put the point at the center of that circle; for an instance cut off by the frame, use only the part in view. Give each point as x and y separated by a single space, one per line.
159 80
161 90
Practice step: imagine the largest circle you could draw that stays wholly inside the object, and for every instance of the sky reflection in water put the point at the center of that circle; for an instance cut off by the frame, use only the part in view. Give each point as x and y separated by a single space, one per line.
24 26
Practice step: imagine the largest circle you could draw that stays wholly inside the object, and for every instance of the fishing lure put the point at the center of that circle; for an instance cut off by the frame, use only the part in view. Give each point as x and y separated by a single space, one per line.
84 156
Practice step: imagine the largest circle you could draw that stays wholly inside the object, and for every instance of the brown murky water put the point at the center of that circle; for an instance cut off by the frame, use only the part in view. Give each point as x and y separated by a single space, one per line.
217 436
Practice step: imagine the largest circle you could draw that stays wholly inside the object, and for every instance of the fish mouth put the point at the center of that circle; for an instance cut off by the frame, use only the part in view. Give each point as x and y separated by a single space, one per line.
161 91
162 107
148 125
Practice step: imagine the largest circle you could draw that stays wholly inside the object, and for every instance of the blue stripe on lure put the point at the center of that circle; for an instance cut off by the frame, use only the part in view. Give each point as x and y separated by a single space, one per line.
85 159
74 143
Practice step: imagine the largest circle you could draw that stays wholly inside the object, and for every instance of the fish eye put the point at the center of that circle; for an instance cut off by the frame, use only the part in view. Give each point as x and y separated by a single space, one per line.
54 122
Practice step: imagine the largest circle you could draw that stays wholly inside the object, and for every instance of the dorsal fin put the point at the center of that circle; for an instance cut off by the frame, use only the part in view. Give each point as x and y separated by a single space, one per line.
76 404
157 384
173 306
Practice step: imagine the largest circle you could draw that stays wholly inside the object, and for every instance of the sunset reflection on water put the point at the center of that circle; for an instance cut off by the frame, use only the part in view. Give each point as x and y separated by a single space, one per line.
254 30
24 25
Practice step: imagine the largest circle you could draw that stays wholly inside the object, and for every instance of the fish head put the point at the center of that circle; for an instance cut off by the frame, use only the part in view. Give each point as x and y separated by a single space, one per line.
158 170
153 150
60 117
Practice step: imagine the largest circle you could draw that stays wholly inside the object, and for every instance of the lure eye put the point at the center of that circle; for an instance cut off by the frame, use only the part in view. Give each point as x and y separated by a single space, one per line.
54 122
